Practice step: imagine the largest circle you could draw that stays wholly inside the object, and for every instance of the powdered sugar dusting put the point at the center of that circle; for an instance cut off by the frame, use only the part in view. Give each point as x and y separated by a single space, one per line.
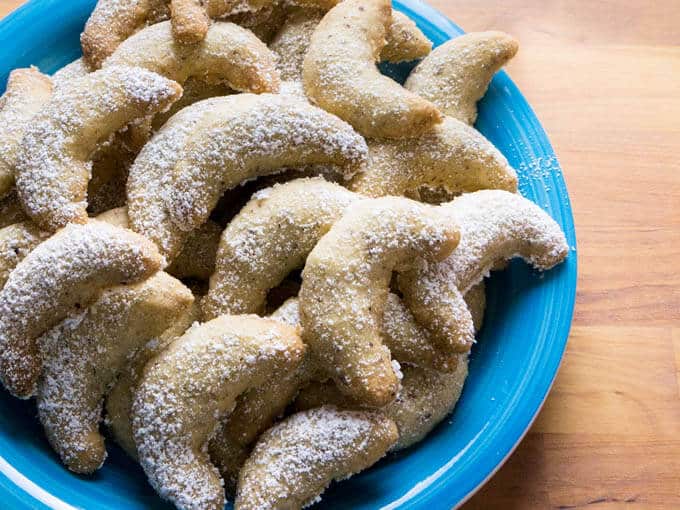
296 460
345 284
251 136
189 387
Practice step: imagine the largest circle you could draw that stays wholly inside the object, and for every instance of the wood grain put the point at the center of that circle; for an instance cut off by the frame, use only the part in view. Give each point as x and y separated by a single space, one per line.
604 78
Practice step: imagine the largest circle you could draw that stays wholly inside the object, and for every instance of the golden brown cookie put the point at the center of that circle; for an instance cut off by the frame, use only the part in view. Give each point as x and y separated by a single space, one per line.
340 75
84 355
67 271
190 386
53 165
229 54
495 225
457 74
297 459
345 285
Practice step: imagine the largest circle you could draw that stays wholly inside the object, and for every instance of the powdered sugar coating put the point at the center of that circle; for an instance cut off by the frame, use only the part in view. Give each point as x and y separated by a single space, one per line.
294 462
457 74
495 225
84 355
269 238
53 165
452 156
67 271
346 281
340 75
229 54
72 71
28 90
190 386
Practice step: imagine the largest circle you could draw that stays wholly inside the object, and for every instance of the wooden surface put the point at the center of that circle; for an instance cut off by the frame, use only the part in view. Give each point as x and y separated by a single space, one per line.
604 78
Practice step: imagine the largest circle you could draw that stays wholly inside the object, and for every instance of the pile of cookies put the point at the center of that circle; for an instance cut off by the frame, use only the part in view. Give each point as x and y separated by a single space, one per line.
161 195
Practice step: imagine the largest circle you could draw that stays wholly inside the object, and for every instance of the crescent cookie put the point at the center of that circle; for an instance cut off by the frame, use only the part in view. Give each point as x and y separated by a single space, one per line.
296 460
65 272
229 54
216 144
453 156
121 395
53 165
190 386
345 285
28 90
425 399
83 356
339 74
270 237
457 74
495 226
404 41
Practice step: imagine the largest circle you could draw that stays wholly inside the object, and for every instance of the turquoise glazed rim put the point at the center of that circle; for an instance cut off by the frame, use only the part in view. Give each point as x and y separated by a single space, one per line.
512 366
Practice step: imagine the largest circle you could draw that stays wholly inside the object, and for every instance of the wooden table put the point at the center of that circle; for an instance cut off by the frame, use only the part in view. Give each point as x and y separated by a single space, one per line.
604 78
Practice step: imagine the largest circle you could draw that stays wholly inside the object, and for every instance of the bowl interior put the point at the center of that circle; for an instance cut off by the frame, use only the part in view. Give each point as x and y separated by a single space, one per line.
512 366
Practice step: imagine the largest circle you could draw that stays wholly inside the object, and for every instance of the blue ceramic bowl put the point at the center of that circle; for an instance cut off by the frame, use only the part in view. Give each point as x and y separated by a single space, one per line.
512 367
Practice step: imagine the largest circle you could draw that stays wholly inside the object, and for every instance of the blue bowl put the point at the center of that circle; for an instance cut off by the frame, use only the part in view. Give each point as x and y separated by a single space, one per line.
511 370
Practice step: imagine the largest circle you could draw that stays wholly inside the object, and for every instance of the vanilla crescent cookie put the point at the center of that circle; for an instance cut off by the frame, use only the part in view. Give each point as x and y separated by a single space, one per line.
404 41
229 54
339 74
28 90
270 237
452 156
84 355
66 271
190 386
296 460
216 144
457 74
426 397
495 226
345 285
121 395
53 166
